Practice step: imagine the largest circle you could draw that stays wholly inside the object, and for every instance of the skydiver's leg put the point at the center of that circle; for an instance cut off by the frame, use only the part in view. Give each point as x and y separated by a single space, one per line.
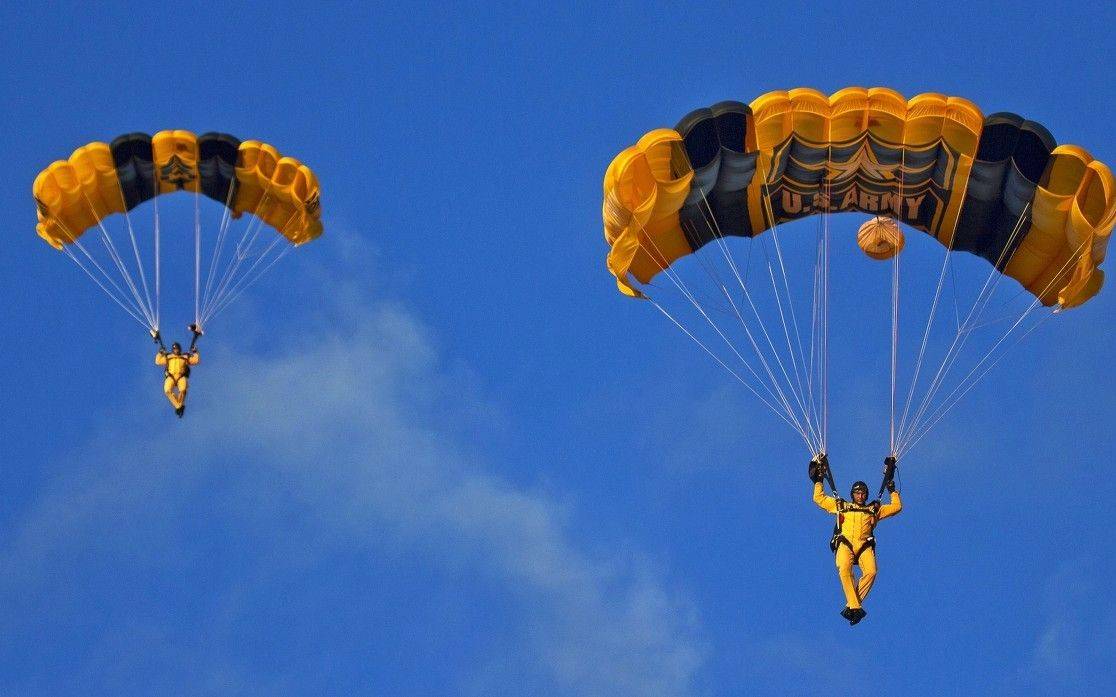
867 572
168 390
183 385
844 571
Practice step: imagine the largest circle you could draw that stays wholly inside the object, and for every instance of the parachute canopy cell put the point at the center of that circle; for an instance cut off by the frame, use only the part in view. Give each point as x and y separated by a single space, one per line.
102 179
996 186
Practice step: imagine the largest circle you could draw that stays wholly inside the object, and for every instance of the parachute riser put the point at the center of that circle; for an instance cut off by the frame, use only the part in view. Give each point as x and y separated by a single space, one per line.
820 461
197 332
157 337
888 474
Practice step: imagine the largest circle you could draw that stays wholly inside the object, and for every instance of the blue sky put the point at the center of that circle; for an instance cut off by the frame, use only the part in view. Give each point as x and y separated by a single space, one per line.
436 453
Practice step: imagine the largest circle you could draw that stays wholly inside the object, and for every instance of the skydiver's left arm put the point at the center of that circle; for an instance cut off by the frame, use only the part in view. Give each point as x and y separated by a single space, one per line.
891 508
194 357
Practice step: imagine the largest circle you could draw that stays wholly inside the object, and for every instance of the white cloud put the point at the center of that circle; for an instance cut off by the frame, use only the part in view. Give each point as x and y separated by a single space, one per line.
353 435
1076 635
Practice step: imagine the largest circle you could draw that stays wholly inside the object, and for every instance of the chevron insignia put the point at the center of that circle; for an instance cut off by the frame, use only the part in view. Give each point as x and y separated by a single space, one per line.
177 173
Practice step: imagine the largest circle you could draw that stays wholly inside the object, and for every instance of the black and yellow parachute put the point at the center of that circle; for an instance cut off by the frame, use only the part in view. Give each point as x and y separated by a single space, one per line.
83 194
100 179
998 186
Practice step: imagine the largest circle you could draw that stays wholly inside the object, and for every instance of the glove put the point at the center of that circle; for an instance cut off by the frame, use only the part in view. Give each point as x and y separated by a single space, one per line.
818 466
889 473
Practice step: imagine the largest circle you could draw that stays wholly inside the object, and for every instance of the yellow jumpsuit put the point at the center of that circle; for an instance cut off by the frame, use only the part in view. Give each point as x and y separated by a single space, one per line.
177 370
856 546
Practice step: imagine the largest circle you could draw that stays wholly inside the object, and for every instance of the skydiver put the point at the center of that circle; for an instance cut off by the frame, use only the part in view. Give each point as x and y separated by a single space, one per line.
853 542
177 369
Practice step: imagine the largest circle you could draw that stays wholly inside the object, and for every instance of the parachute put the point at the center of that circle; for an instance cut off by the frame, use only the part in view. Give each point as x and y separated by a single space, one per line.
100 180
998 187
880 238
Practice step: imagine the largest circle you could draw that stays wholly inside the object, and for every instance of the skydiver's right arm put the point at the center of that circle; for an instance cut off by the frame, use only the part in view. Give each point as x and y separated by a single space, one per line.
826 503
160 358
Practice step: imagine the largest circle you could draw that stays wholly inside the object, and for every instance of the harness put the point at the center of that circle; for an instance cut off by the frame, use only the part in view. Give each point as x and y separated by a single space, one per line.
185 372
839 539
158 338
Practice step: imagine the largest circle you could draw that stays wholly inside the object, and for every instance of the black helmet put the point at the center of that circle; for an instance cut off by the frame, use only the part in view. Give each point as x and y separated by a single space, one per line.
177 346
858 485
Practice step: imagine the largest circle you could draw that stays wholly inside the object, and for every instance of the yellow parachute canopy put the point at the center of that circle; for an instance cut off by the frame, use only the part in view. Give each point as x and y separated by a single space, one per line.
102 179
996 186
